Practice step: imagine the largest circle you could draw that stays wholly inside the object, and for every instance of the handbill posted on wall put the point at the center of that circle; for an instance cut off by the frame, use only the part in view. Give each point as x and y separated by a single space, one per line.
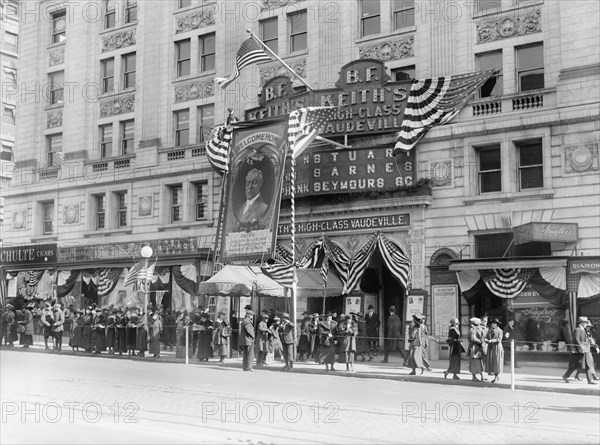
445 307
414 305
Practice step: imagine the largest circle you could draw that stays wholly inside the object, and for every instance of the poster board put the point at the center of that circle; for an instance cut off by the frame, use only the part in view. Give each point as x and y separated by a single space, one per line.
414 305
445 306
353 304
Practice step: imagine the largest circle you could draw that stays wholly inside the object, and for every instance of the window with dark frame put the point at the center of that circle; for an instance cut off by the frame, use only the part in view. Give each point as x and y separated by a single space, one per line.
121 209
201 201
298 31
207 52
493 245
106 140
404 14
10 114
130 11
370 17
6 153
129 68
269 33
184 3
100 211
127 137
205 116
530 67
110 14
11 41
54 147
183 57
531 164
404 73
176 203
487 61
490 169
108 75
182 128
57 84
48 218
59 26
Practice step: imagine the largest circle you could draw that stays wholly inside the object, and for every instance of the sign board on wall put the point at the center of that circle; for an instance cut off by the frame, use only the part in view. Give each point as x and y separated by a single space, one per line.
545 232
445 307
353 304
414 305
351 223
28 254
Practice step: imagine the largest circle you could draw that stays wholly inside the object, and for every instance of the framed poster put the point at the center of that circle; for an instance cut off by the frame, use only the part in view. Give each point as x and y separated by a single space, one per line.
414 305
224 305
254 184
353 304
445 306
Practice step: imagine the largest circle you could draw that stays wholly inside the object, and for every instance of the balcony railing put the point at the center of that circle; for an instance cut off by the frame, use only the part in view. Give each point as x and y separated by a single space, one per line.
179 153
528 101
118 162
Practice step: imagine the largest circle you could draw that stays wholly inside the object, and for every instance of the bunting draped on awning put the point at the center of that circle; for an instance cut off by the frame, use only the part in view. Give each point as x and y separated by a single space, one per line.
506 283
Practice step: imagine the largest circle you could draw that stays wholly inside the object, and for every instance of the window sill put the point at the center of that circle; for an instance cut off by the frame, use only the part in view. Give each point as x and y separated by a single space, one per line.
107 232
202 76
57 45
118 27
44 238
511 196
402 31
56 106
300 52
185 225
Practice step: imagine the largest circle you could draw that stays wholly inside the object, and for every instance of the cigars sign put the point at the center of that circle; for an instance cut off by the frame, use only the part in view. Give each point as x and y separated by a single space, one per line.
545 232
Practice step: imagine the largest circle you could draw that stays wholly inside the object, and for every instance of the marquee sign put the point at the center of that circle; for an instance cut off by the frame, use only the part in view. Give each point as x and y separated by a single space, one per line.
28 254
351 223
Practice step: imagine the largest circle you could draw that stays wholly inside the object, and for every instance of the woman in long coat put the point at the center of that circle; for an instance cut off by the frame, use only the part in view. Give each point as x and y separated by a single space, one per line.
131 333
111 331
304 347
417 340
76 340
474 350
27 322
205 334
456 348
141 337
221 335
348 330
120 332
155 330
362 345
495 353
87 328
263 344
326 331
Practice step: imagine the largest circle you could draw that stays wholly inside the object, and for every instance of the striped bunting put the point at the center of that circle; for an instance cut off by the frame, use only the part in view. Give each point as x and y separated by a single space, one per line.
279 272
283 253
506 283
325 269
107 279
395 260
250 52
311 257
132 274
305 124
434 102
217 149
359 264
338 257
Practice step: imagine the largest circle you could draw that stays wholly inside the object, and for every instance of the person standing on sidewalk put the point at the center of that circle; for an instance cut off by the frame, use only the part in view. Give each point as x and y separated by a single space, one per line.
222 332
484 346
373 323
456 349
393 333
326 331
509 334
426 335
475 351
47 319
246 340
581 348
57 328
495 355
348 331
418 342
288 340
263 334
28 327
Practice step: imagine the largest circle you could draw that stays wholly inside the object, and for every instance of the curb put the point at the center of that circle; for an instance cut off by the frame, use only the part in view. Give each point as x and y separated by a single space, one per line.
358 374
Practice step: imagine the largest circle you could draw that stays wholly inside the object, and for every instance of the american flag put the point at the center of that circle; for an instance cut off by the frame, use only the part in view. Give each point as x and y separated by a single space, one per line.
506 283
338 257
250 52
132 274
283 253
395 260
359 264
305 124
107 279
433 102
147 274
325 270
217 149
280 272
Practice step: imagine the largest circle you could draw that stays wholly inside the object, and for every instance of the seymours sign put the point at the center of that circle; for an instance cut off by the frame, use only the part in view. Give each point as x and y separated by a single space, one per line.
28 254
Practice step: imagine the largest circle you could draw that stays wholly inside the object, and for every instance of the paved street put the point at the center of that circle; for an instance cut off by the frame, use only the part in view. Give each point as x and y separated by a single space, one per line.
64 399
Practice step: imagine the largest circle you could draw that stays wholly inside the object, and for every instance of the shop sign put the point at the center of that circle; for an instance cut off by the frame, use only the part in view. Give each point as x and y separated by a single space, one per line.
28 254
358 223
587 265
545 232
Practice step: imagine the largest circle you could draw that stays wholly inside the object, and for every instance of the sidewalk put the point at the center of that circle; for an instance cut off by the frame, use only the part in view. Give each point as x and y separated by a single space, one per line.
527 377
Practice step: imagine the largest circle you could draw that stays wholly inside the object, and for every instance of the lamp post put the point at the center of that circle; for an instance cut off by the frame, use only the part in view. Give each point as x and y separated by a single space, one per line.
146 253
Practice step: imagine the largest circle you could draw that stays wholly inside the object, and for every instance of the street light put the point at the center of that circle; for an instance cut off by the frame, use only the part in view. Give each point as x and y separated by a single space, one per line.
146 253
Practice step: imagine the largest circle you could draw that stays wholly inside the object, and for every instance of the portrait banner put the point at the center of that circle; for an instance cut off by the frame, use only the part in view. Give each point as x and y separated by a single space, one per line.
254 192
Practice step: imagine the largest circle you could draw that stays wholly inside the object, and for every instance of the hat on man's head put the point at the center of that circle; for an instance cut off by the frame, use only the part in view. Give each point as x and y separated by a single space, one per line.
276 319
453 321
9 306
220 313
476 321
285 315
248 307
583 319
371 307
249 312
316 315
496 320
328 313
392 308
265 316
359 314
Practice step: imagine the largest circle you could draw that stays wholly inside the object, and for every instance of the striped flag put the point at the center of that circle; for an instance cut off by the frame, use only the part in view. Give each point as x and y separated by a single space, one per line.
305 125
325 270
132 274
506 283
147 274
250 52
217 149
395 260
107 279
359 264
433 102
280 272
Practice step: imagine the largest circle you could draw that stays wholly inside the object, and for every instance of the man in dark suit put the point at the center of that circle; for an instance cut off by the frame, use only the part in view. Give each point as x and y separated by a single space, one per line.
255 207
393 334
288 340
246 340
373 324
579 357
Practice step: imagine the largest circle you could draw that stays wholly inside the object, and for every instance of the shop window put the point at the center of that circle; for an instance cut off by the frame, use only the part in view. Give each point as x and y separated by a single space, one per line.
207 52
59 26
11 41
108 75
110 14
493 245
370 17
127 137
106 140
100 202
129 68
176 203
56 81
493 86
269 33
404 13
201 201
490 173
530 67
54 145
404 73
298 31
183 57
205 116
182 128
531 167
48 218
121 201
131 11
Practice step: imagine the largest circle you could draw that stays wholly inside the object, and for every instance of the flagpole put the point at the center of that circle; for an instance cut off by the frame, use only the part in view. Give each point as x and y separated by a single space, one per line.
272 54
293 235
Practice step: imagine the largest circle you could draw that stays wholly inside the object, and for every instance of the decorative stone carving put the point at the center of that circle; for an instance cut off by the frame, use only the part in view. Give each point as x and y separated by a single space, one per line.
272 4
441 173
145 206
582 158
54 119
198 19
121 39
504 26
19 220
119 105
56 56
391 50
273 70
71 214
194 90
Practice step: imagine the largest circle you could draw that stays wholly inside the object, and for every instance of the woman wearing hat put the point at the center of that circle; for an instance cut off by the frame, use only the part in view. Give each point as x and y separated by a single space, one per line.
204 345
263 335
326 330
418 341
155 329
362 345
348 330
456 348
222 332
27 323
304 341
87 327
495 354
474 350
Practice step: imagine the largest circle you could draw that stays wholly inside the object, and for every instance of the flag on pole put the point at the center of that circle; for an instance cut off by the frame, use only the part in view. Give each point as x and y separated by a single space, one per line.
132 274
149 272
325 270
433 102
250 52
217 149
305 124
280 272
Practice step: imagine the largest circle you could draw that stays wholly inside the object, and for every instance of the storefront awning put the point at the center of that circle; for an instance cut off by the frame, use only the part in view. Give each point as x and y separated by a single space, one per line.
239 281
507 263
310 284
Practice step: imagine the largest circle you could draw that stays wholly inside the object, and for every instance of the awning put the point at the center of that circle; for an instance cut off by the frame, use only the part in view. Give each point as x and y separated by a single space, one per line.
238 281
310 284
507 263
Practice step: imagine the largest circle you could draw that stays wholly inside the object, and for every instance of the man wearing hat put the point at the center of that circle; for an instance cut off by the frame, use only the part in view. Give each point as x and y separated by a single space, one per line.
373 323
474 351
581 349
57 328
304 348
393 333
288 340
263 334
246 340
8 322
313 329
47 319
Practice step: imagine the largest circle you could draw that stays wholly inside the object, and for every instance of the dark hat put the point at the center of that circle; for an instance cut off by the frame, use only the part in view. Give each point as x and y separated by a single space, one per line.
220 313
328 313
392 308
249 312
348 317
9 306
371 307
495 320
285 315
248 307
359 314
205 315
352 313
265 316
276 319
316 315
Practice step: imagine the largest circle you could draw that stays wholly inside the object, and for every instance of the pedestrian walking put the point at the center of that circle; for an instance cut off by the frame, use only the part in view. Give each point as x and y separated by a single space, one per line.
263 340
456 349
155 329
205 334
495 353
326 330
393 334
348 331
426 335
589 357
474 351
579 357
221 332
362 344
418 342
372 321
246 340
287 334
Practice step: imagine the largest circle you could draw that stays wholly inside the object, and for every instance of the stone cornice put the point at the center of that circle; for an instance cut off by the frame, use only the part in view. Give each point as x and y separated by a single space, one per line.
273 4
117 40
196 89
196 19
506 25
579 71
394 49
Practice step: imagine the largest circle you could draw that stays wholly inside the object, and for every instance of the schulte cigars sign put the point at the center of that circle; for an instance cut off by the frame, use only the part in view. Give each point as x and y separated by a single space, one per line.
28 254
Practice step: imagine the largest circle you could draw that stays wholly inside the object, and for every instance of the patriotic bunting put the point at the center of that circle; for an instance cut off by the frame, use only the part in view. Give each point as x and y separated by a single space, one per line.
395 260
506 283
305 124
132 274
217 149
281 273
359 264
